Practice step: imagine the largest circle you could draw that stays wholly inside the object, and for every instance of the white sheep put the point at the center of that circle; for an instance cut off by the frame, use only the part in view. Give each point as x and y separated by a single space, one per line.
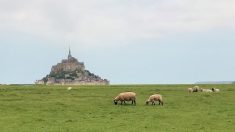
153 98
215 90
207 90
197 89
69 88
190 90
125 96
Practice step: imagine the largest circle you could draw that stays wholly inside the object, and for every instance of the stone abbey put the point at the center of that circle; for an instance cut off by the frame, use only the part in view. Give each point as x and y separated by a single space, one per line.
71 72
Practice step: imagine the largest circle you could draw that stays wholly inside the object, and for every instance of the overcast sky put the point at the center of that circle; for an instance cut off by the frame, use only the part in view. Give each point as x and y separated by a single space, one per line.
125 41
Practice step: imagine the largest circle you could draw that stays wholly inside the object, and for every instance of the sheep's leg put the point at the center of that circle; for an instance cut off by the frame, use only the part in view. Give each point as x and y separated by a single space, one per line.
121 102
134 102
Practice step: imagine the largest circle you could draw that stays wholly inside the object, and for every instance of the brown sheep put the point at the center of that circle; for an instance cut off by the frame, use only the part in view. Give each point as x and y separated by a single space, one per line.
125 96
153 98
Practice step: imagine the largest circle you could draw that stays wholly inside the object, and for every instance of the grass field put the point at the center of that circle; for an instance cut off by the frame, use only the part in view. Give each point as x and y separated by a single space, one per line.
30 108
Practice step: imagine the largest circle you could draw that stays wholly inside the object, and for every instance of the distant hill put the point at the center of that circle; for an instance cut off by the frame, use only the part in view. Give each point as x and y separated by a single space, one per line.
71 72
216 82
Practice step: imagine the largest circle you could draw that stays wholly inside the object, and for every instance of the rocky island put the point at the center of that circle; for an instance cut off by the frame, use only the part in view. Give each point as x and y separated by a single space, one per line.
71 72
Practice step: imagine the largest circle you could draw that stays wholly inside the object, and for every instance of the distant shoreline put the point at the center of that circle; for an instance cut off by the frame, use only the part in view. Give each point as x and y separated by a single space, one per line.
136 84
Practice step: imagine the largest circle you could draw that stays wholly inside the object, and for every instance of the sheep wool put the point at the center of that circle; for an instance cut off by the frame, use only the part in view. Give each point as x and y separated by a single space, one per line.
190 90
153 98
215 90
125 96
69 88
207 90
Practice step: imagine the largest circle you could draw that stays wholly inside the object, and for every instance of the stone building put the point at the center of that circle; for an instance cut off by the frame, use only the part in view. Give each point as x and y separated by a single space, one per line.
68 65
71 72
39 82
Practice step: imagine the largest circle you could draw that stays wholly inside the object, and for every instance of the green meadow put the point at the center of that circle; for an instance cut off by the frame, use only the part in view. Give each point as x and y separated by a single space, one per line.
31 108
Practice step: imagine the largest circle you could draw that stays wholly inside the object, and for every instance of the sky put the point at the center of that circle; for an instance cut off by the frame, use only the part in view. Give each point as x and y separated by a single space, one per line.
124 41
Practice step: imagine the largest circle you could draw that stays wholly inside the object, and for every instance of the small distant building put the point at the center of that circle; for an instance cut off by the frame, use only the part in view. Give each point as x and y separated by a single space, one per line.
71 72
39 82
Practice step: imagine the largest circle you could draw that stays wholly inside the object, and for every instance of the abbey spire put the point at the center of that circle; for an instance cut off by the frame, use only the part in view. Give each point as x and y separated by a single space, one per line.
69 56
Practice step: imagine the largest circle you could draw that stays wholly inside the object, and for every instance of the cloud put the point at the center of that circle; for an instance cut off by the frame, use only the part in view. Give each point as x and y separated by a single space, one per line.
107 23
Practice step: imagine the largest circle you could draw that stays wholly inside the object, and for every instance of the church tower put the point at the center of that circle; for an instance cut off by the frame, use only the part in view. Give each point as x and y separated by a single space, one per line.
69 56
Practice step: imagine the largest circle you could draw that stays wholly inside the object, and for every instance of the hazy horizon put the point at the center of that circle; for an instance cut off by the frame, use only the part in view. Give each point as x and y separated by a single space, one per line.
126 42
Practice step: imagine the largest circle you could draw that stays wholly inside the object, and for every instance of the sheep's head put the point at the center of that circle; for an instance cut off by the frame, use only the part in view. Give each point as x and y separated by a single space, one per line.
147 102
115 102
213 89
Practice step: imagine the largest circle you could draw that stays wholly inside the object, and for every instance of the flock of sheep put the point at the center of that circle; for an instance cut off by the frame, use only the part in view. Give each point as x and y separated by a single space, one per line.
131 96
198 89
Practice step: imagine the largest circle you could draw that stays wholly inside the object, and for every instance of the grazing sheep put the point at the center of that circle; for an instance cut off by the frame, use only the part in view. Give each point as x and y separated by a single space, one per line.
69 88
197 89
125 96
155 97
190 90
215 90
200 90
207 90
